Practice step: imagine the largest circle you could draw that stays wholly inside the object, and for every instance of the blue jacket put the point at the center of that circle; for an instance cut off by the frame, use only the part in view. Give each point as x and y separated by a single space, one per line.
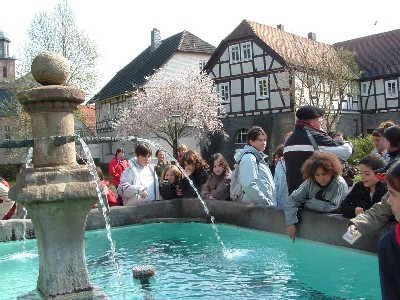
255 176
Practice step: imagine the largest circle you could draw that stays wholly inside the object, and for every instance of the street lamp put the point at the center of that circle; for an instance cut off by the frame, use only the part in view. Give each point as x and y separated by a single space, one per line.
176 118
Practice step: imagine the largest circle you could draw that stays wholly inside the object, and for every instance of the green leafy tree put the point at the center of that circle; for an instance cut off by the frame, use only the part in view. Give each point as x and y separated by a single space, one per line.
362 146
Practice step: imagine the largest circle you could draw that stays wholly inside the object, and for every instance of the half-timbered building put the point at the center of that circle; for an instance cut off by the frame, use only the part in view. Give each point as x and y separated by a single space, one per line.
378 56
253 69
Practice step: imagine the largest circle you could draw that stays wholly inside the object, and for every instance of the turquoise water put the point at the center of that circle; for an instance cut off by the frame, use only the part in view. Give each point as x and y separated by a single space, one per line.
190 264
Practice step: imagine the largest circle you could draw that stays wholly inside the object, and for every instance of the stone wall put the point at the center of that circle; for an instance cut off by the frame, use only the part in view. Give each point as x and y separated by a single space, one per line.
319 227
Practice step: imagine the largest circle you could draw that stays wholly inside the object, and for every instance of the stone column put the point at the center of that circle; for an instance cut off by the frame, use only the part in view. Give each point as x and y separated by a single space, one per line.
57 193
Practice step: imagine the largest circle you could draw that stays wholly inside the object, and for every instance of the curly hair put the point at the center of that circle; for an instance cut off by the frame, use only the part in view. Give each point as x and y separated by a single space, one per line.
191 157
327 161
175 170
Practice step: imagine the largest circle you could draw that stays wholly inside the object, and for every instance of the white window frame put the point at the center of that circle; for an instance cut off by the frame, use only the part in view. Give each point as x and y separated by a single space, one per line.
364 89
262 88
246 51
224 93
391 89
241 136
234 53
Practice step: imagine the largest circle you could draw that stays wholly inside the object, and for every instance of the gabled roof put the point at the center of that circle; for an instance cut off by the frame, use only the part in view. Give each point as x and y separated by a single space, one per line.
134 73
285 44
378 55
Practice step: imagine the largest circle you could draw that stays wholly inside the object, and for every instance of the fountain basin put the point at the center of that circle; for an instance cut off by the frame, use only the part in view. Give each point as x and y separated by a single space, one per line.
271 219
191 264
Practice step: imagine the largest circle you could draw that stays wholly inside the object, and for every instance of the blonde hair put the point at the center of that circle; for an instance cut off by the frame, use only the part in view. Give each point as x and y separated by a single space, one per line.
182 147
178 174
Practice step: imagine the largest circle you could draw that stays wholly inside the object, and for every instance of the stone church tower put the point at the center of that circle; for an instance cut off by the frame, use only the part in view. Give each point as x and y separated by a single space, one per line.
7 63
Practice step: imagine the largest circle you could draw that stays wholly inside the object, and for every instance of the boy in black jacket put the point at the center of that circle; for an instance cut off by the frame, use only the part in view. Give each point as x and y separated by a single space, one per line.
369 190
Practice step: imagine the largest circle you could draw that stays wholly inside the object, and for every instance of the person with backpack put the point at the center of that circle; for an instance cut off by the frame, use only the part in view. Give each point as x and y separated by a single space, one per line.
254 175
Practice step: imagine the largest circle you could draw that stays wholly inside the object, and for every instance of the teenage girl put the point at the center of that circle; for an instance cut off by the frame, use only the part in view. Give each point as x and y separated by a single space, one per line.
170 187
218 182
197 169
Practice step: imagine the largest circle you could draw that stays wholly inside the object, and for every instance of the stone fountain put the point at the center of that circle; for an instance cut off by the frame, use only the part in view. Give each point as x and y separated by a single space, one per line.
57 192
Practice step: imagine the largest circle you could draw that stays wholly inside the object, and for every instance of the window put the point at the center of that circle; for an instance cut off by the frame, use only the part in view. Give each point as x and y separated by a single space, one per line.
224 92
391 89
364 89
246 51
202 64
241 136
234 53
5 75
262 88
240 52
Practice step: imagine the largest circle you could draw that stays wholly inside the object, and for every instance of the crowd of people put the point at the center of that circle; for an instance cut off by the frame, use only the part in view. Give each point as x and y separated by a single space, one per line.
308 171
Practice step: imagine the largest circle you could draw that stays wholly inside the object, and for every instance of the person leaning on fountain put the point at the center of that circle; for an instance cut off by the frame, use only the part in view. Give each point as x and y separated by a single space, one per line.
322 190
139 182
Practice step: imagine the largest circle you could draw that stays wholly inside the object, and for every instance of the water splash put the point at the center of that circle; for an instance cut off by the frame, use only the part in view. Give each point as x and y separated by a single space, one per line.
171 158
29 158
103 204
24 228
28 164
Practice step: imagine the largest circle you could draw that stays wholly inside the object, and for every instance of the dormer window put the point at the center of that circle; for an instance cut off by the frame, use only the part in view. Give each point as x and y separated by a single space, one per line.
391 89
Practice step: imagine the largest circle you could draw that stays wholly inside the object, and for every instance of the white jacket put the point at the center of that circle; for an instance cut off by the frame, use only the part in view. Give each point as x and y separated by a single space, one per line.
134 180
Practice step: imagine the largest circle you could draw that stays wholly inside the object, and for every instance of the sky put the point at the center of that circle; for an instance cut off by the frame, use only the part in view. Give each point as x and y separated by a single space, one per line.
122 28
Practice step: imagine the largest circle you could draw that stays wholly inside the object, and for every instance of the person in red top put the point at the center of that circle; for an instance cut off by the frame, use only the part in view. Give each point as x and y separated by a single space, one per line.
111 197
117 165
7 206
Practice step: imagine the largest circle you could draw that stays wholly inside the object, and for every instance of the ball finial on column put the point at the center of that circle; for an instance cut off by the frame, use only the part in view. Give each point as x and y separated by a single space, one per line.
50 68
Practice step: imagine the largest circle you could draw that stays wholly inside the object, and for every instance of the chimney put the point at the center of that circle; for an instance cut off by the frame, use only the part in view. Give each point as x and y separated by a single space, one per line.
155 39
280 26
312 36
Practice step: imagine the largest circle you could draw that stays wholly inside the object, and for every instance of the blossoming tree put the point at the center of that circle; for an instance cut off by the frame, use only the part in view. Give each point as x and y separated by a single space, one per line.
184 91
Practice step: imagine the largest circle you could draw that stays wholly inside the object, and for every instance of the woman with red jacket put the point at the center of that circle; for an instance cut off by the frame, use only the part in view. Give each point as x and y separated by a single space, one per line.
117 165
